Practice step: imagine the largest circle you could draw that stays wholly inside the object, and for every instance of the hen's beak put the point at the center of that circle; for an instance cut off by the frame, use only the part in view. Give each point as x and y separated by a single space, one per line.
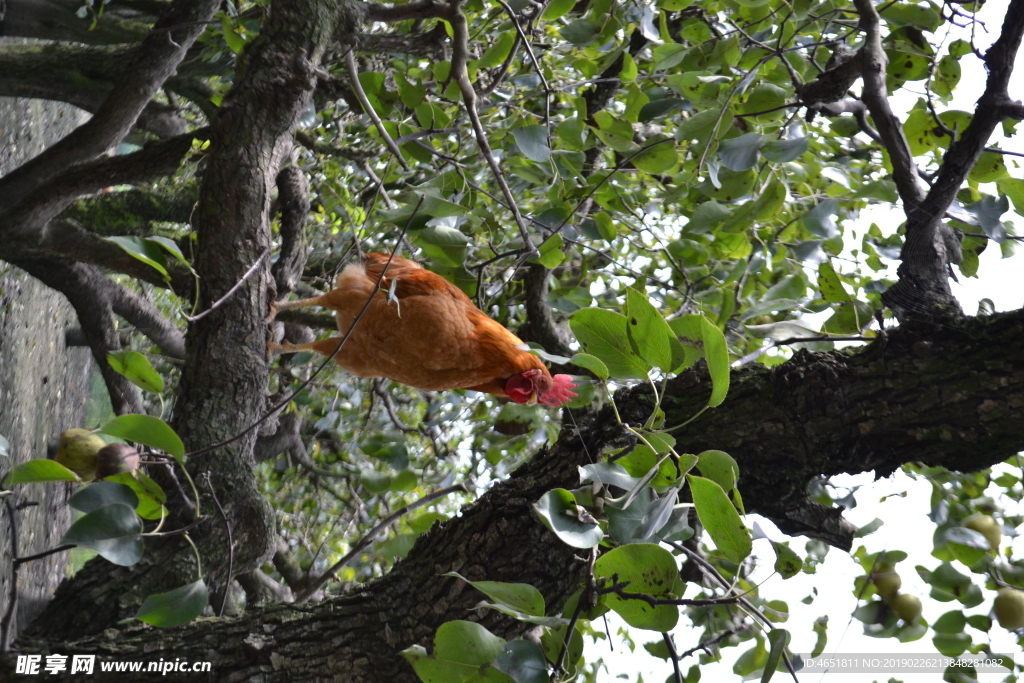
532 400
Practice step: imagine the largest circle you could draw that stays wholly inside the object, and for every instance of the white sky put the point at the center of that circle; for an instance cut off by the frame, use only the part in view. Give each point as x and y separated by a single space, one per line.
907 526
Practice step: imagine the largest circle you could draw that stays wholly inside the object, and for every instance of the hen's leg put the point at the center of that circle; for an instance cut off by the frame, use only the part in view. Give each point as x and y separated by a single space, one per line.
325 347
278 306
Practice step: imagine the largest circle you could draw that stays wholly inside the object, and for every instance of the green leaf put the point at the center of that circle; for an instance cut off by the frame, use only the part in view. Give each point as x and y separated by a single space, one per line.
951 644
786 329
657 514
497 52
557 9
551 253
602 333
719 467
831 287
102 493
717 354
770 201
112 531
171 247
950 622
410 93
660 108
787 563
819 221
40 470
642 460
592 363
649 569
781 151
521 597
611 473
559 512
174 608
466 642
151 496
396 547
145 251
442 244
423 523
523 661
777 638
647 330
137 369
147 430
849 318
659 155
668 55
989 169
908 14
740 153
720 518
533 142
234 41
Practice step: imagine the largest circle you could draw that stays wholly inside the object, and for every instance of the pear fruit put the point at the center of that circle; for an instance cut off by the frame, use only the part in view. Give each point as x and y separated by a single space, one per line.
987 527
907 607
78 450
887 581
116 458
1009 608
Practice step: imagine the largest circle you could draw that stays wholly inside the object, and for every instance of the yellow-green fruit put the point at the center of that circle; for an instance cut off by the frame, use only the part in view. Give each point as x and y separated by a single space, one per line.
907 607
78 450
987 527
1009 608
887 581
116 458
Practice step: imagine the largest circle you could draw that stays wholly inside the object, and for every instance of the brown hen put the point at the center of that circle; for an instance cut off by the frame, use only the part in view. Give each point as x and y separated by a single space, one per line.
423 331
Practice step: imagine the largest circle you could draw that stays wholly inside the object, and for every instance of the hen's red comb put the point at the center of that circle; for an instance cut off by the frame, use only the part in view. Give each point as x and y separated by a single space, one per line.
560 391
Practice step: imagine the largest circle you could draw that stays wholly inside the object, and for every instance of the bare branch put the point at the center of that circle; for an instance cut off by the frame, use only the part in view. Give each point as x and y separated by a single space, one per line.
423 9
357 87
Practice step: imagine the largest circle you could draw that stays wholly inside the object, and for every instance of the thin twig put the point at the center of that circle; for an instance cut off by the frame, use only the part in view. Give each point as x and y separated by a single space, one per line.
231 546
219 302
368 538
357 87
673 656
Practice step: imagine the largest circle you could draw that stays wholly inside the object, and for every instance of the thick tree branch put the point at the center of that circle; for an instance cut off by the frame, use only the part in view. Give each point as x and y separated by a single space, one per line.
89 293
923 290
421 9
135 211
541 326
122 22
293 199
994 106
154 60
873 63
24 220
